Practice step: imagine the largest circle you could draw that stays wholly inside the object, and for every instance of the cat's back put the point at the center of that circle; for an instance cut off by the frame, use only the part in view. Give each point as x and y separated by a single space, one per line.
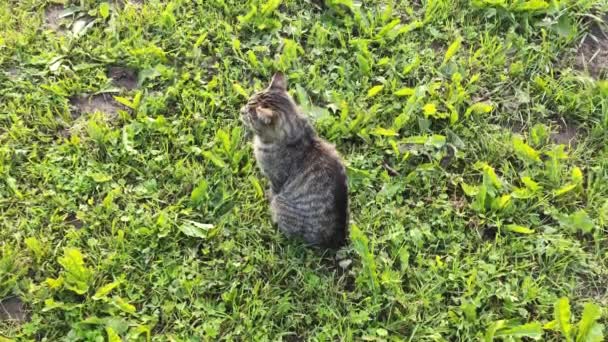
321 163
329 187
318 179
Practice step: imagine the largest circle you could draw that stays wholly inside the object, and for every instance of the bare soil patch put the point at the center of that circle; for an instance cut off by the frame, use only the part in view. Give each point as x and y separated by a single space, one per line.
12 309
104 103
592 54
566 134
73 221
123 77
52 17
12 73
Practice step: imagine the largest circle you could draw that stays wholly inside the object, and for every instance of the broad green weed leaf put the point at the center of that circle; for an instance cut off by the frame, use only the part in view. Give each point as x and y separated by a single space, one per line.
588 328
384 132
454 116
519 229
109 198
123 305
236 45
200 40
577 176
539 133
414 64
452 50
530 6
235 136
373 91
429 109
388 27
112 335
214 159
50 305
253 60
124 101
552 325
104 10
270 6
12 184
54 283
348 3
469 190
256 185
82 25
578 221
436 140
491 332
127 141
199 193
195 229
408 28
554 166
562 317
530 183
167 17
381 332
524 151
76 275
95 131
224 138
290 53
137 99
361 245
530 330
479 108
489 175
523 193
479 204
405 91
565 189
401 120
595 334
468 308
35 247
247 18
531 189
104 290
417 139
364 64
501 202
134 333
603 214
387 13
582 220
240 90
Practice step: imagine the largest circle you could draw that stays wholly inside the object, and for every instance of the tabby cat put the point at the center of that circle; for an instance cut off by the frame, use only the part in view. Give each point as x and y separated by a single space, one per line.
308 192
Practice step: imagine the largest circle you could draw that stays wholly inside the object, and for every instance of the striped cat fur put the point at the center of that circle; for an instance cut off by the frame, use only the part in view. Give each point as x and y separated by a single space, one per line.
308 186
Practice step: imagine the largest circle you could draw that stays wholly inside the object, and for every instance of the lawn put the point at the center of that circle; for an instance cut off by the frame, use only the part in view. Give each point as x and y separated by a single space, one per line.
475 135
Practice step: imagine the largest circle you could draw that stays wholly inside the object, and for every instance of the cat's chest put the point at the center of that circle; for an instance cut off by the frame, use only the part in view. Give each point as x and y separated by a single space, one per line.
268 157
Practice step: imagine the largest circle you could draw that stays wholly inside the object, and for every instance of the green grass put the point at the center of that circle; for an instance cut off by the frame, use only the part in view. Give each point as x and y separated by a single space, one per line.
145 219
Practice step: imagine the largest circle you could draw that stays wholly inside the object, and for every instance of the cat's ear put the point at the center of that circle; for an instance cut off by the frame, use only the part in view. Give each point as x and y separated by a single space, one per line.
279 82
264 114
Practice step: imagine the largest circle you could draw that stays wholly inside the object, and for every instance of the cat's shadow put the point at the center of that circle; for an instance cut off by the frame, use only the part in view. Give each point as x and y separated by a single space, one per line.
329 264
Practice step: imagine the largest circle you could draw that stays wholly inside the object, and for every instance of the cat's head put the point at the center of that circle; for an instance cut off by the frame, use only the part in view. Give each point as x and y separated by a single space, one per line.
272 114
